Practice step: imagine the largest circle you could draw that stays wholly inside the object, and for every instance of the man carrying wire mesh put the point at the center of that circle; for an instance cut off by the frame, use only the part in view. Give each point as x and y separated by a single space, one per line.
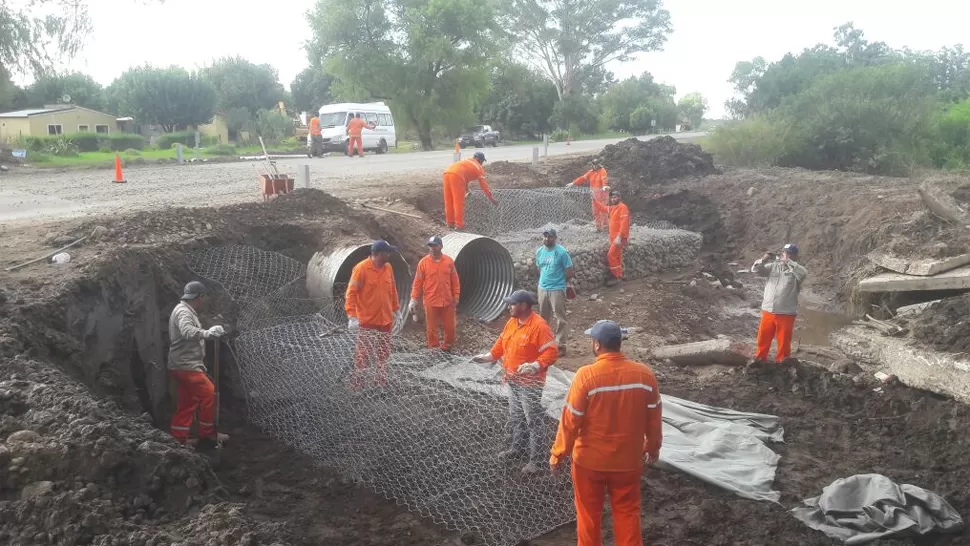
437 278
596 178
526 348
373 309
456 179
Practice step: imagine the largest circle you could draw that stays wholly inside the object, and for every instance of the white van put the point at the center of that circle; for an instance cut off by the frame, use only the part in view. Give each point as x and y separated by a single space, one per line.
333 126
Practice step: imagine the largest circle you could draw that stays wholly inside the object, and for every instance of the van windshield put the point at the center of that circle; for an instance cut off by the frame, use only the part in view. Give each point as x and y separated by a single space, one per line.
333 119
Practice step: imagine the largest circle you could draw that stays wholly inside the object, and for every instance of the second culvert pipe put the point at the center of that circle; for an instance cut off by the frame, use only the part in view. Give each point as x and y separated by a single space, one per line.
486 272
327 276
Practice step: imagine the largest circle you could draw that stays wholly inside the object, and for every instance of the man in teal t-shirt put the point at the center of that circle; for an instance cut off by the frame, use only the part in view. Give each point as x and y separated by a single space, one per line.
555 273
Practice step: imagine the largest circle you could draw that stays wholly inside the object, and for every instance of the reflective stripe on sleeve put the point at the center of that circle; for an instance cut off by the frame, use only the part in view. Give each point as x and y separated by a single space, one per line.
547 345
574 410
614 388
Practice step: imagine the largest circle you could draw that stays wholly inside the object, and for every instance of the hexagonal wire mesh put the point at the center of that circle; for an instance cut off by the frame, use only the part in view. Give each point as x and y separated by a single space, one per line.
376 408
521 209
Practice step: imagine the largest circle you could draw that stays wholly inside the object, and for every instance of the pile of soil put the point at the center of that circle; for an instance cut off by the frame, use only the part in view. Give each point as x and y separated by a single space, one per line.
945 326
925 236
656 160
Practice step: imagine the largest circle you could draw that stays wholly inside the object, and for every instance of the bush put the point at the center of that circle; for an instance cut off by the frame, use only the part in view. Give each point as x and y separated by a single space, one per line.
185 138
62 147
753 142
950 146
86 142
104 149
221 149
123 141
132 152
559 135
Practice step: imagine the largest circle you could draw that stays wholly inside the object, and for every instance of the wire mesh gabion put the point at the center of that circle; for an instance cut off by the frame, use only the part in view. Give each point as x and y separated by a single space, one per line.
374 407
520 209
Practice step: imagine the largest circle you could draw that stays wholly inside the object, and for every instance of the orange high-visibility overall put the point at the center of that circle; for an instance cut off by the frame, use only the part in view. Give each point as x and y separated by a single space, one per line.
438 279
195 392
372 299
355 129
619 227
611 419
456 180
596 178
772 326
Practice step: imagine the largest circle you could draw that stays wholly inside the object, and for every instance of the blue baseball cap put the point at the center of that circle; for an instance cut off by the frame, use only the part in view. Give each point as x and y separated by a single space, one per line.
435 241
605 331
790 248
520 296
381 245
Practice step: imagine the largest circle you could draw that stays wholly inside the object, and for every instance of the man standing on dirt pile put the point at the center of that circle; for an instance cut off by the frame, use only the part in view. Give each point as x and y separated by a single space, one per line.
619 237
373 310
438 279
780 304
555 278
186 365
355 131
456 179
526 348
599 188
611 426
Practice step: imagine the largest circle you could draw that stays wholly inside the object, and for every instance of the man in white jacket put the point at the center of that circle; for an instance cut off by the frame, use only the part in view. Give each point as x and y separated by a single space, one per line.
780 304
186 366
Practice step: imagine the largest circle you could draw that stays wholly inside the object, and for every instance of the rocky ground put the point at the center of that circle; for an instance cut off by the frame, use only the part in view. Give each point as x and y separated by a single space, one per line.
81 463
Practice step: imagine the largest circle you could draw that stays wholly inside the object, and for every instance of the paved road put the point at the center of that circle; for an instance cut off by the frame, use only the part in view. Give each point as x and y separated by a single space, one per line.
45 195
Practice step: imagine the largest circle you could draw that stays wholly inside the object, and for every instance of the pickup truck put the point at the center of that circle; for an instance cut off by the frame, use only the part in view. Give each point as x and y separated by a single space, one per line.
479 136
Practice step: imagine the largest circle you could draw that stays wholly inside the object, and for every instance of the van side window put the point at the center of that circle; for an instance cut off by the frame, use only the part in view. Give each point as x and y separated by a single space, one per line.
385 120
371 118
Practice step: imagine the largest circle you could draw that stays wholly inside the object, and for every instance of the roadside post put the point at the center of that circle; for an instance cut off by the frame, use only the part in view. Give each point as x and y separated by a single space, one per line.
306 175
545 143
535 155
178 154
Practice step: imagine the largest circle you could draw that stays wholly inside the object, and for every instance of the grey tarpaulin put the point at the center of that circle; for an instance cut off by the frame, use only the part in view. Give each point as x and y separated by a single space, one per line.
867 507
723 447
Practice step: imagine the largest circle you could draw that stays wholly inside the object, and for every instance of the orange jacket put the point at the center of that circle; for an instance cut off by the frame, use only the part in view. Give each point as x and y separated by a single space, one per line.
372 294
314 125
620 222
612 416
468 170
597 181
438 280
356 126
530 341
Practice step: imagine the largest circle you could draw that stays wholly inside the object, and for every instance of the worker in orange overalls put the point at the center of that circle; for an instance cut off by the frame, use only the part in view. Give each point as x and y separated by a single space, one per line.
355 130
526 348
599 188
438 279
316 137
611 427
456 179
373 309
619 237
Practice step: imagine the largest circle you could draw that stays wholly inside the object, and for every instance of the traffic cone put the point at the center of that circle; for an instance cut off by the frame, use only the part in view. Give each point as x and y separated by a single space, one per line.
119 177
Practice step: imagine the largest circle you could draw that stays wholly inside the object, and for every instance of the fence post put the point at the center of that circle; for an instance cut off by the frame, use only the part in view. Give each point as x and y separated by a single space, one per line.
545 143
178 153
535 155
306 176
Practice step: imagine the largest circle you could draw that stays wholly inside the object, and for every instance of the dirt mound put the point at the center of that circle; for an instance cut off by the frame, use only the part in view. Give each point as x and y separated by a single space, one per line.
945 326
656 160
76 470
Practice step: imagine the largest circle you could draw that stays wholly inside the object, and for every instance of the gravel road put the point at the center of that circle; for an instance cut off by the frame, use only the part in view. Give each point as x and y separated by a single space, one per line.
43 195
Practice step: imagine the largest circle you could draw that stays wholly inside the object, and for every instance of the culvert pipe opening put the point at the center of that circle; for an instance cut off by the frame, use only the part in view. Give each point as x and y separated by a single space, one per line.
486 272
328 274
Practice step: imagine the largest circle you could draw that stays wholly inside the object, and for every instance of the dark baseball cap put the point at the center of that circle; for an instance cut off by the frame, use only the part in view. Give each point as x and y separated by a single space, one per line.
550 232
605 331
790 248
521 296
381 245
436 241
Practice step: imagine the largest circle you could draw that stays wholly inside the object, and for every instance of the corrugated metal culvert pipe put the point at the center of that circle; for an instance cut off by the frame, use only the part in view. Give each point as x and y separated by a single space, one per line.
327 276
486 271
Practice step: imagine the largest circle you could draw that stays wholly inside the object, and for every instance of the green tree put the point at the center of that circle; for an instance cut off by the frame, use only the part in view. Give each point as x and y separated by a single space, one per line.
577 114
242 84
50 89
428 57
621 99
33 35
566 39
311 89
273 126
170 97
519 102
692 107
12 97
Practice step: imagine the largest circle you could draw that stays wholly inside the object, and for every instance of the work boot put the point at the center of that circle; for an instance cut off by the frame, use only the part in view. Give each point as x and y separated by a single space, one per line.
611 282
531 468
562 351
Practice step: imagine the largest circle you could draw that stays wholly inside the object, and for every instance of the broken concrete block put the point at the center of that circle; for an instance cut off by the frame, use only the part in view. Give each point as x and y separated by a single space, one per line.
942 204
915 308
919 267
955 279
714 351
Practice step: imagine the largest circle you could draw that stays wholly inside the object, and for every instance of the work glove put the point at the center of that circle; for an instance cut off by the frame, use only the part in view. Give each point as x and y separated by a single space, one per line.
484 358
529 368
353 324
413 306
215 332
650 458
618 241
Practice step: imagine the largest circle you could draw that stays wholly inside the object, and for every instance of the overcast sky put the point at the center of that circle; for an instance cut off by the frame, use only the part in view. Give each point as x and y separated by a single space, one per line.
709 35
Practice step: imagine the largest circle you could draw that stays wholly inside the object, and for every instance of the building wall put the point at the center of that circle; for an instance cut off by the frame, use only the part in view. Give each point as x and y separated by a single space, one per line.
218 128
71 120
12 129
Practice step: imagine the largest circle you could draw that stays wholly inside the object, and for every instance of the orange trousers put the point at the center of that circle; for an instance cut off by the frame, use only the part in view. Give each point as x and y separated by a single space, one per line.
443 317
454 190
614 259
601 215
775 327
373 343
350 146
590 488
195 392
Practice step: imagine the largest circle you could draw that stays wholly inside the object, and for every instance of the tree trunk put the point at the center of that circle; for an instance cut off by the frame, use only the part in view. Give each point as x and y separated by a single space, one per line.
424 134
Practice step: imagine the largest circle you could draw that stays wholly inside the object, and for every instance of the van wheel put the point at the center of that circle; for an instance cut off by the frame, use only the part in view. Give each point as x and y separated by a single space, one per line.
382 147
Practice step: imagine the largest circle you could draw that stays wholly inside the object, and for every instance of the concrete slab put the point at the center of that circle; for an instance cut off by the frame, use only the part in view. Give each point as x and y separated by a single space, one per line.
942 204
919 267
714 351
915 308
914 365
955 279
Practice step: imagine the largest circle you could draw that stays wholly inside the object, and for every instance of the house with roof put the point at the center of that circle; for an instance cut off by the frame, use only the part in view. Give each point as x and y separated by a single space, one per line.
58 119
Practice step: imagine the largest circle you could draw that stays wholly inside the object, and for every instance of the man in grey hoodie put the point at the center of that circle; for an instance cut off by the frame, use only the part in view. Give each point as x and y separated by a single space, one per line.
780 304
